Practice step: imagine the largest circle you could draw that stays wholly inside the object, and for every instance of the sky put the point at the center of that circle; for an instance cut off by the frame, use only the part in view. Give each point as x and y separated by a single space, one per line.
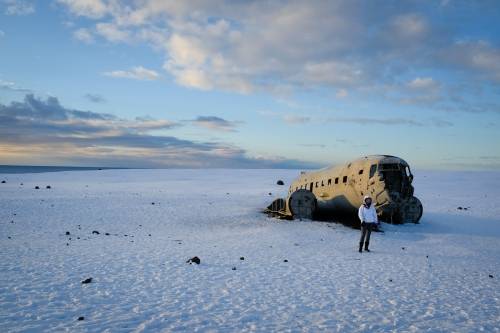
249 84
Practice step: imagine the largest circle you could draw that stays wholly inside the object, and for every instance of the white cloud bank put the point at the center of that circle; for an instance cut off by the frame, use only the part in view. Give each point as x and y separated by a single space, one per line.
345 46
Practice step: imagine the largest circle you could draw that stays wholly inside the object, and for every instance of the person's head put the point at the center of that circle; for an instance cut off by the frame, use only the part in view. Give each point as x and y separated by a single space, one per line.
367 200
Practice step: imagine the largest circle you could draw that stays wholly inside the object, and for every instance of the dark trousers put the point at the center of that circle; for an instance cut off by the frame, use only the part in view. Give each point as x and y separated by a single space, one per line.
366 231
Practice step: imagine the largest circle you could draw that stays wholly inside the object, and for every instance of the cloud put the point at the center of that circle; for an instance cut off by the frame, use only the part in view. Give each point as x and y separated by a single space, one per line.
8 85
291 119
278 47
89 8
479 57
391 121
83 35
39 131
248 46
215 123
136 73
95 98
112 33
18 7
313 145
423 83
412 26
295 119
341 93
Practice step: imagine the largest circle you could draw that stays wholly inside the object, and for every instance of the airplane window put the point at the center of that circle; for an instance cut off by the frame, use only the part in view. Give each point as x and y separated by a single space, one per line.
373 169
360 172
337 180
329 182
344 180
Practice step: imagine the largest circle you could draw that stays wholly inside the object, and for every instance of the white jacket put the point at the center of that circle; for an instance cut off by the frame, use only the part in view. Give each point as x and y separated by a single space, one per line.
368 215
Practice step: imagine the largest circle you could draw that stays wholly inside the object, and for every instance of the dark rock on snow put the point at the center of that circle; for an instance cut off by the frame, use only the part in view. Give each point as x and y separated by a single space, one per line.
48 187
37 187
285 260
491 276
234 268
107 233
95 232
280 182
68 233
194 260
3 182
81 318
88 280
242 258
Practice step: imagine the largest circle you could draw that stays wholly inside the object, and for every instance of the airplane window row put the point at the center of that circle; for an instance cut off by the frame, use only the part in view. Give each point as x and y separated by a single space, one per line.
322 184
373 169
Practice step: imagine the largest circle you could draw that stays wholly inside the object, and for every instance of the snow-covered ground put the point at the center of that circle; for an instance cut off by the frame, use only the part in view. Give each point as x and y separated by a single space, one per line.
434 276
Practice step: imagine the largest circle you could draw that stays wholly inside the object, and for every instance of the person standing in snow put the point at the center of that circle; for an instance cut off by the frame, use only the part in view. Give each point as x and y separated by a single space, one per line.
368 217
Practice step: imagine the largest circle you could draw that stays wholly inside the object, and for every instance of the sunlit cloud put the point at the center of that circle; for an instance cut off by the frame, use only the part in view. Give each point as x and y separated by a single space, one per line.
136 73
215 123
84 35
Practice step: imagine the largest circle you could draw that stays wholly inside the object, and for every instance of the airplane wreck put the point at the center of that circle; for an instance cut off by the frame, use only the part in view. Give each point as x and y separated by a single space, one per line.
337 192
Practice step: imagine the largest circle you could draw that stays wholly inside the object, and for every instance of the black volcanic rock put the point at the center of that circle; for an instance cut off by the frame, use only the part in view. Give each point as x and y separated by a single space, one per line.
81 318
194 260
95 232
280 182
87 280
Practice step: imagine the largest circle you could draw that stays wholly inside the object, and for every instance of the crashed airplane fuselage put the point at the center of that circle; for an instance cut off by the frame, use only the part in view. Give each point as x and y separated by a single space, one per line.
337 192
